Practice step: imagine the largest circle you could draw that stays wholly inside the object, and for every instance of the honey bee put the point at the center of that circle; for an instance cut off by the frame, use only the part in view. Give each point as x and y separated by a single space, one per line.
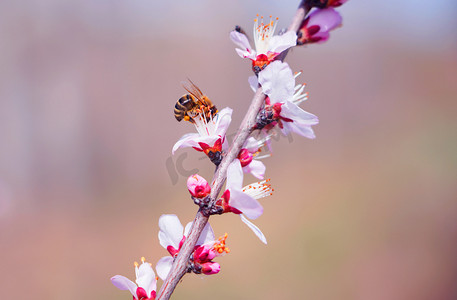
191 105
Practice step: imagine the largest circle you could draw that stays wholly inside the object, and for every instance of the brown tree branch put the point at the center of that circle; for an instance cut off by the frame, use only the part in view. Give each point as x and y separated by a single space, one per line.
180 265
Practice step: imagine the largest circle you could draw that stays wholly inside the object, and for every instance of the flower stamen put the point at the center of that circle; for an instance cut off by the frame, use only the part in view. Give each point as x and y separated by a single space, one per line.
259 189
219 245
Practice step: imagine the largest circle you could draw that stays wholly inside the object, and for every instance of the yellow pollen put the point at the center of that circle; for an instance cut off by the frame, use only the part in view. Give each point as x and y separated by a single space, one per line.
219 246
143 259
135 264
270 16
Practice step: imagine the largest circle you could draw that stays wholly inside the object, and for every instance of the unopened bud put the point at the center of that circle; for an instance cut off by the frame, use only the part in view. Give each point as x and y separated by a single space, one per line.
210 268
204 253
324 3
245 157
335 3
198 187
316 27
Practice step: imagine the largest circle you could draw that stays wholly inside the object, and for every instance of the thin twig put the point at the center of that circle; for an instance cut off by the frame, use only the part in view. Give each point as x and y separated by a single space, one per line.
180 265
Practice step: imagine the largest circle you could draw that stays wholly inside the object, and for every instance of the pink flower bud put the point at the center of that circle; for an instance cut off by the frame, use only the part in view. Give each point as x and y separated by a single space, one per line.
335 3
210 268
205 253
198 187
316 27
325 3
245 157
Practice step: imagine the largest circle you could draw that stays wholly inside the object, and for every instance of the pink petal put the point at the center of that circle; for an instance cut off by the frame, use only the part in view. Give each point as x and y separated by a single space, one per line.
198 186
255 229
171 231
277 81
323 36
327 19
210 268
279 43
246 204
123 283
163 266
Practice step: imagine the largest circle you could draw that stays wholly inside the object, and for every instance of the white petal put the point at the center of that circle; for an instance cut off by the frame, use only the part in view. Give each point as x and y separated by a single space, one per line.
294 112
277 81
256 168
253 82
252 144
146 278
207 235
192 140
187 140
286 129
301 129
246 204
234 175
240 40
279 43
187 228
245 54
171 231
123 283
224 117
163 266
255 229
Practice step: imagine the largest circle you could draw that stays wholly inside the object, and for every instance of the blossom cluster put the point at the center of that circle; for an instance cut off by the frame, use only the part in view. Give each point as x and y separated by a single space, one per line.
280 110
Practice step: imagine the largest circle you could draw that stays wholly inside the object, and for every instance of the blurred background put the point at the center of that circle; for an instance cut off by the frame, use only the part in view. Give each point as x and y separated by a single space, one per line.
367 210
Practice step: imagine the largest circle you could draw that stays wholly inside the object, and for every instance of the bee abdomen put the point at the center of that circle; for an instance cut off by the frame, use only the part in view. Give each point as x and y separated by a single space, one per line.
183 105
186 102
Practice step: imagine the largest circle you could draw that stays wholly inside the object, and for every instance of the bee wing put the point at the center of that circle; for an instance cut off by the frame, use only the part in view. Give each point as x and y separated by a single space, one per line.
192 89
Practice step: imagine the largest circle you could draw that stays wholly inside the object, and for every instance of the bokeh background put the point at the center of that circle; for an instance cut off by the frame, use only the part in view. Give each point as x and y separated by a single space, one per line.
367 210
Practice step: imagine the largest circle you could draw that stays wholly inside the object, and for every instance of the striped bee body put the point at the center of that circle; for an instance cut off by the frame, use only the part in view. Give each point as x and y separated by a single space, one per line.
193 105
184 104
